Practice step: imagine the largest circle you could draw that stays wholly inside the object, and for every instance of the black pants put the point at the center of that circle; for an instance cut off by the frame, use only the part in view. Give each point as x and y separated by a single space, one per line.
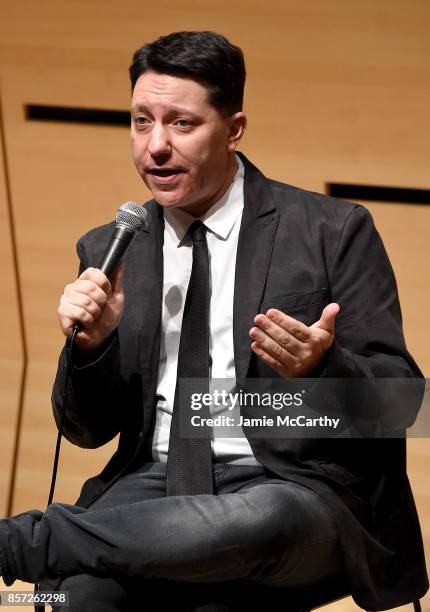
256 527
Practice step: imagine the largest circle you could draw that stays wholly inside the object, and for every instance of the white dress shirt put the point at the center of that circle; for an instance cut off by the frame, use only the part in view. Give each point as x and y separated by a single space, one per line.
223 223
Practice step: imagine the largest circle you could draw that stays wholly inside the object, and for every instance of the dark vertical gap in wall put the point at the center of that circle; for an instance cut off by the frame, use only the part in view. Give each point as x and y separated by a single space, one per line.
20 314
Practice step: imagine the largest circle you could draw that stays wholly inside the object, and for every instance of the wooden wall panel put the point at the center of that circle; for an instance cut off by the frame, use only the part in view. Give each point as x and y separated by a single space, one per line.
11 345
337 91
333 87
65 180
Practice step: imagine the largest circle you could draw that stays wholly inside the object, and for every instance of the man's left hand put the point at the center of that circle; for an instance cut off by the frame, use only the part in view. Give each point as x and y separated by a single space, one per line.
290 347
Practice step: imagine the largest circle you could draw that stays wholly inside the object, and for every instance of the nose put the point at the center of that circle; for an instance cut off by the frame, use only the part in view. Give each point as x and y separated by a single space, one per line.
159 144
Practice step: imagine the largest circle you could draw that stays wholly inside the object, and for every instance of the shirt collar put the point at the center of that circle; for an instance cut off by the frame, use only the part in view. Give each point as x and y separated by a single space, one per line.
219 219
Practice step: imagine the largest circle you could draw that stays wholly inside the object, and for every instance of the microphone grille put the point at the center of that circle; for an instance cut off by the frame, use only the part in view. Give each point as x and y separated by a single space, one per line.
133 215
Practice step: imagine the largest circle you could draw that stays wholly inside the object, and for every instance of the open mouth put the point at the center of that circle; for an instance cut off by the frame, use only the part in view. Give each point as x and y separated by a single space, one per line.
163 172
166 177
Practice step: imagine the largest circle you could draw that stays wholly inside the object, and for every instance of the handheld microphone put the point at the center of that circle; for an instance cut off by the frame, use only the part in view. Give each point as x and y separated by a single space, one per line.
131 219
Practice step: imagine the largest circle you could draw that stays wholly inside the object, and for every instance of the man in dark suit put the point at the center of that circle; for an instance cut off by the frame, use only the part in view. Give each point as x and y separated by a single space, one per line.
311 294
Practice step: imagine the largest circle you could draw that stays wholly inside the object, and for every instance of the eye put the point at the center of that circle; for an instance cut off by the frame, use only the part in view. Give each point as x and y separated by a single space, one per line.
141 121
183 123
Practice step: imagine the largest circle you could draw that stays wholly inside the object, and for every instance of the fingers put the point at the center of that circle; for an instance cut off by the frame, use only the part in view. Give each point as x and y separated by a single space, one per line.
275 335
289 346
78 307
275 358
83 300
273 343
290 333
97 277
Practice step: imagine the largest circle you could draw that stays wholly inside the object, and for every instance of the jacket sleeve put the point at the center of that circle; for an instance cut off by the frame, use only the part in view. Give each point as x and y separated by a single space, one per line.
369 343
95 393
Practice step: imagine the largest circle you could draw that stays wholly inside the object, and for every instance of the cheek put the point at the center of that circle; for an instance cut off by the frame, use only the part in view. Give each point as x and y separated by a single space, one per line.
137 150
134 153
205 149
208 160
212 167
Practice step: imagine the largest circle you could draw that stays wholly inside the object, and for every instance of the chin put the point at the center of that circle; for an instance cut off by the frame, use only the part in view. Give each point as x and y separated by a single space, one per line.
167 200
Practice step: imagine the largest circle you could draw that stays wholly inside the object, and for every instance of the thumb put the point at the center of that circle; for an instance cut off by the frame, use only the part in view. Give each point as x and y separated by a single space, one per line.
328 316
116 282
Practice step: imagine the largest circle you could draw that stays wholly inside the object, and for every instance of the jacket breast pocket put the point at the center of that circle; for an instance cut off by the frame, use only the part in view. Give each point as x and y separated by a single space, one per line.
305 307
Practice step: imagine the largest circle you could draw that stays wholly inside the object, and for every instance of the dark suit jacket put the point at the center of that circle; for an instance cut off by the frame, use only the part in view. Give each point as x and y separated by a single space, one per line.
297 251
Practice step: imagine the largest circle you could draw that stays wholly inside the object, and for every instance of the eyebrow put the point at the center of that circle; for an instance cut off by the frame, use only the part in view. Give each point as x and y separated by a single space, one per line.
172 110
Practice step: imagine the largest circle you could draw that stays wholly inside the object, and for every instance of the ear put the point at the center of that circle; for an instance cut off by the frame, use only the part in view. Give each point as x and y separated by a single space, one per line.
237 125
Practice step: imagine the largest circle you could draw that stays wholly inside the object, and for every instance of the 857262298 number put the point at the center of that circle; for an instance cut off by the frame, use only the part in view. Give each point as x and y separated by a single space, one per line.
29 598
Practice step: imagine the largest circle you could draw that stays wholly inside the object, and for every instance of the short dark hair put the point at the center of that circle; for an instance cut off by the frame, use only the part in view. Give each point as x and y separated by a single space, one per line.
206 57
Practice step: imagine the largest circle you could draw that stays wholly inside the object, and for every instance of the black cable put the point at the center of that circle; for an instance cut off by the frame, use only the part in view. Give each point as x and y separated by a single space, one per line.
40 607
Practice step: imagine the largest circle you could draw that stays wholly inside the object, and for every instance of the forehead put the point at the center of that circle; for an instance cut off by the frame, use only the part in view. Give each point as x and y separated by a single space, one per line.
153 88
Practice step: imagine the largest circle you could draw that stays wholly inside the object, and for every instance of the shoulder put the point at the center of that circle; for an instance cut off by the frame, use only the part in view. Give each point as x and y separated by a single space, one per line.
298 204
326 219
306 202
96 234
92 245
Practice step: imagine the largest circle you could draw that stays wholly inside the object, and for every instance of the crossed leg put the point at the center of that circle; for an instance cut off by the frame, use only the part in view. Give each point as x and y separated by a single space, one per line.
256 528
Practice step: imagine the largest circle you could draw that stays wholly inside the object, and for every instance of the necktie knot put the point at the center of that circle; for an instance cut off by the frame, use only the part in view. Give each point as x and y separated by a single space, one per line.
197 231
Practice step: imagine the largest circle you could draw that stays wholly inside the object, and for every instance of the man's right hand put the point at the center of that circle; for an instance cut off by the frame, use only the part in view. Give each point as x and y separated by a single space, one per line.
96 304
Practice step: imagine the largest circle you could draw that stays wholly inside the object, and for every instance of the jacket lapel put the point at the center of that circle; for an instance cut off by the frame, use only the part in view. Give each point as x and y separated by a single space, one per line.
148 290
257 233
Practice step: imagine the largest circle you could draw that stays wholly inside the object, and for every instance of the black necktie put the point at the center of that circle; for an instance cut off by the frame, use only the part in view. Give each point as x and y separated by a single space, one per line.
189 463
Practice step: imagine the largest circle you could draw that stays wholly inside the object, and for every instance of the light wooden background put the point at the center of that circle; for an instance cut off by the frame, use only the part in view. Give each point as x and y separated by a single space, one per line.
337 91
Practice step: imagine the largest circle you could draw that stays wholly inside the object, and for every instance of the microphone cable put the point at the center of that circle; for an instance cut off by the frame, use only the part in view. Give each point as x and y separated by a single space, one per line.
40 606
